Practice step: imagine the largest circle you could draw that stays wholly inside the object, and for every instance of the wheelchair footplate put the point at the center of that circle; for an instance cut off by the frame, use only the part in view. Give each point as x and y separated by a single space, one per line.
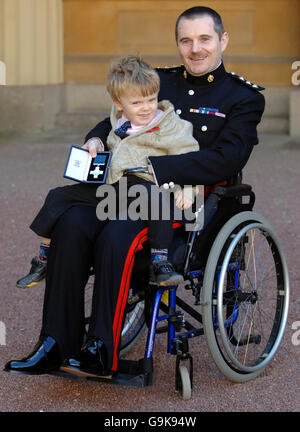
136 373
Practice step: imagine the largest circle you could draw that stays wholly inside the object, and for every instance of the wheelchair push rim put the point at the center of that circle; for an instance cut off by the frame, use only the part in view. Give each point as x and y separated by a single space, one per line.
277 330
246 299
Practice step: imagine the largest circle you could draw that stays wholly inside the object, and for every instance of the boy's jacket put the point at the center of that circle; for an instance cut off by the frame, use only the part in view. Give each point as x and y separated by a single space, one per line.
169 135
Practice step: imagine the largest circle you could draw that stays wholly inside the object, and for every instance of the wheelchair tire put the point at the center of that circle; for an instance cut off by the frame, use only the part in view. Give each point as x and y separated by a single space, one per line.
184 382
134 324
245 296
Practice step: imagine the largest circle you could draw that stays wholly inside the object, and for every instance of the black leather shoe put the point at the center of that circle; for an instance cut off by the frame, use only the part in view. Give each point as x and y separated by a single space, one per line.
36 274
45 358
90 362
162 273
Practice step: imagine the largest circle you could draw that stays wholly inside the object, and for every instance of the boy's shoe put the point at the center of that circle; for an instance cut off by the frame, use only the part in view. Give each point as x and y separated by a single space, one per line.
37 274
162 273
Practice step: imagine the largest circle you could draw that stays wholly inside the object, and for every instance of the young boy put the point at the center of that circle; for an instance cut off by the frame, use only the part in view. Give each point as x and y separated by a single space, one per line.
141 127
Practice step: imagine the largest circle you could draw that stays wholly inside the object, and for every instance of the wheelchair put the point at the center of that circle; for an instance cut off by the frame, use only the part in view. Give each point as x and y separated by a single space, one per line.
236 275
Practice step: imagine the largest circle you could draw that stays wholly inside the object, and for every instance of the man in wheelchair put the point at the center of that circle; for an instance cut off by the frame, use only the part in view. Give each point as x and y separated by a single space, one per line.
225 110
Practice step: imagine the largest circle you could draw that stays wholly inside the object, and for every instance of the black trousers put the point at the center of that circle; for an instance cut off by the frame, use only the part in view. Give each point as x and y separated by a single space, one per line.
58 201
79 241
61 199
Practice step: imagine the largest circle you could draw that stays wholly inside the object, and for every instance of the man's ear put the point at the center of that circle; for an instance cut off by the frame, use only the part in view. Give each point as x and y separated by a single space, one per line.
224 41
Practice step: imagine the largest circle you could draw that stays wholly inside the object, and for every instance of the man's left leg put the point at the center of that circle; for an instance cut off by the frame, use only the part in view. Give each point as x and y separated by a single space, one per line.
114 257
113 267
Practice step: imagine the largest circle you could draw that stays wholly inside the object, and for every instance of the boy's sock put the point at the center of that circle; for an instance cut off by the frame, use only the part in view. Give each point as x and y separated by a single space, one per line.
43 255
159 255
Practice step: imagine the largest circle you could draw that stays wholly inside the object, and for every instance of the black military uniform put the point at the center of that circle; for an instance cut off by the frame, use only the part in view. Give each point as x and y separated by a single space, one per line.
225 110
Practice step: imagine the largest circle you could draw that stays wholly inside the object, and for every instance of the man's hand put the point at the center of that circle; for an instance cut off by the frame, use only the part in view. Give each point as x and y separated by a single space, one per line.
94 145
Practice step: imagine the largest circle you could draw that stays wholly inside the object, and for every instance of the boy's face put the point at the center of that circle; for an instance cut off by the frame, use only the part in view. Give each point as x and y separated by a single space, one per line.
140 110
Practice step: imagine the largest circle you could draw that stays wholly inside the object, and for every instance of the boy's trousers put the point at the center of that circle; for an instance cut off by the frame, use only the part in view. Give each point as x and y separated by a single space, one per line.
61 199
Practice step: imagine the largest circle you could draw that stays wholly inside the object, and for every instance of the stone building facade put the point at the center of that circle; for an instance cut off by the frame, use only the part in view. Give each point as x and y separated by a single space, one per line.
54 55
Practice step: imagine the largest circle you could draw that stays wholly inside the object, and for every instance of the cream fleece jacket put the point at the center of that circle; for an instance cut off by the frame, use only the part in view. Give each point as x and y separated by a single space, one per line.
168 135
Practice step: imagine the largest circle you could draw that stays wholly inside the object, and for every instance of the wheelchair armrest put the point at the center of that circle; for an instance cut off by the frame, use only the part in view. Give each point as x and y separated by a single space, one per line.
233 191
219 192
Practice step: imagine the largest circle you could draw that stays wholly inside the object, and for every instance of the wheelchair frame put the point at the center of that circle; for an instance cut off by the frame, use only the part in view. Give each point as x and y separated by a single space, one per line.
219 291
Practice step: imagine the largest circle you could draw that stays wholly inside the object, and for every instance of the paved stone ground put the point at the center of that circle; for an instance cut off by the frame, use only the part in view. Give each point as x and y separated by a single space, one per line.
29 166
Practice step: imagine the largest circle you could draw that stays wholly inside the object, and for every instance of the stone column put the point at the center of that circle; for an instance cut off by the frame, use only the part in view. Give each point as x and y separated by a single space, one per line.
31 60
31 41
294 115
2 73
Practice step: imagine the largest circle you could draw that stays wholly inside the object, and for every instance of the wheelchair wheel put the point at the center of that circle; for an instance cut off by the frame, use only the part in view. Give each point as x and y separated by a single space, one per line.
245 297
134 322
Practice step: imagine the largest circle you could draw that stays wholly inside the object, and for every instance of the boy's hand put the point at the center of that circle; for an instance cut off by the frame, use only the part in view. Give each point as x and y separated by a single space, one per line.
184 198
94 145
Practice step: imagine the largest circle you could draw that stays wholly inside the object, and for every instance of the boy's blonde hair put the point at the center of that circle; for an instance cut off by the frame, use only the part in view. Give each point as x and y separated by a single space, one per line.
132 73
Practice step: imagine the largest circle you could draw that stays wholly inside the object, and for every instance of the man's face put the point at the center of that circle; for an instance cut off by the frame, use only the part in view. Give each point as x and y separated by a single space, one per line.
139 110
199 46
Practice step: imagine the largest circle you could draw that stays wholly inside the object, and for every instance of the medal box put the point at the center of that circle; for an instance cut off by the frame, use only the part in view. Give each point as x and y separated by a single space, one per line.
83 168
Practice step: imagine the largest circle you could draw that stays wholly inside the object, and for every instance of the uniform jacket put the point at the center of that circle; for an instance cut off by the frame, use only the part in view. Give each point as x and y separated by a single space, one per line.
226 139
168 135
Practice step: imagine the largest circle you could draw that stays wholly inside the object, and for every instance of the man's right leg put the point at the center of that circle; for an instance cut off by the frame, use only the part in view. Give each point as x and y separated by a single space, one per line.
69 262
63 315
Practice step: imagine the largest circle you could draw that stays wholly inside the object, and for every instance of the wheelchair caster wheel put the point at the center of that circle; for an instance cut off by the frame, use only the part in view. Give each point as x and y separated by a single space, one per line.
183 382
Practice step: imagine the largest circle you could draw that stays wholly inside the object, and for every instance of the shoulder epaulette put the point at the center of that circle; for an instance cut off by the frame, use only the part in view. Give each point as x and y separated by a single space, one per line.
173 68
247 83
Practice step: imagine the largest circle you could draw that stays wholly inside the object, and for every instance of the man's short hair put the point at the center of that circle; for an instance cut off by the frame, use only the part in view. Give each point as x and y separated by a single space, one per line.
132 73
199 11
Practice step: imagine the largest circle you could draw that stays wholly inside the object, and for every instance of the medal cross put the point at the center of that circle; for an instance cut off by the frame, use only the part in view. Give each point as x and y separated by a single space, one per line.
96 172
